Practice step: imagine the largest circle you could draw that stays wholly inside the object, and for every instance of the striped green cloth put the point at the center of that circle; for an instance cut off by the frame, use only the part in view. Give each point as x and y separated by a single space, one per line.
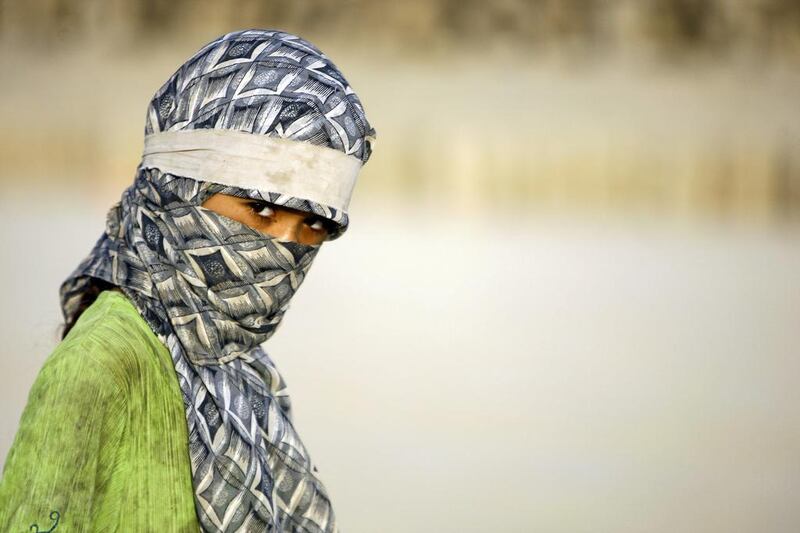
102 443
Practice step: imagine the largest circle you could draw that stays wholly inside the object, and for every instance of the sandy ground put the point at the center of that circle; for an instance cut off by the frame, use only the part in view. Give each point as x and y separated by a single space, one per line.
509 373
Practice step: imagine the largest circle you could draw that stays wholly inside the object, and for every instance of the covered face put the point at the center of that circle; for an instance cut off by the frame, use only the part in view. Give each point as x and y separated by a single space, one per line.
266 114
255 114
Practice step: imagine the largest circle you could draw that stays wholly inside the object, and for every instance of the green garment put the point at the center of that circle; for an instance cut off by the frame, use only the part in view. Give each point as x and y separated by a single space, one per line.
103 438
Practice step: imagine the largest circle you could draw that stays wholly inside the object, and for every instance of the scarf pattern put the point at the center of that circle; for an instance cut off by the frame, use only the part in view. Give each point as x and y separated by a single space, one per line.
272 83
213 289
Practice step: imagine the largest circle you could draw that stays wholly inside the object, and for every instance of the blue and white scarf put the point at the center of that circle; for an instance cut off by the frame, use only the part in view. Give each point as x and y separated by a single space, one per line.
256 114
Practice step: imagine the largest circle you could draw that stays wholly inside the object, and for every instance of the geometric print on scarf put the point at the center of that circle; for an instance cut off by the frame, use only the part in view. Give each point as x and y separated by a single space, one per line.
271 83
213 290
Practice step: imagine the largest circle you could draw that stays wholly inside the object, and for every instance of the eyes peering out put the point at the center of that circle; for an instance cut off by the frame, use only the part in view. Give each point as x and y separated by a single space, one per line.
277 221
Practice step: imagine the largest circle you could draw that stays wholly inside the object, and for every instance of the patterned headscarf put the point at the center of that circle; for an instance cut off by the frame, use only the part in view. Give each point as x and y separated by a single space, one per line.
256 114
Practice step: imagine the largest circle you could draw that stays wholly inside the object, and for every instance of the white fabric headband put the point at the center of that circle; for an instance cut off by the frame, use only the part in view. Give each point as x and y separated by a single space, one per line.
252 161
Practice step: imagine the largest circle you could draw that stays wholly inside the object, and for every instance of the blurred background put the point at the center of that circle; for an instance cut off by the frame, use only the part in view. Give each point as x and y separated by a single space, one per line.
569 299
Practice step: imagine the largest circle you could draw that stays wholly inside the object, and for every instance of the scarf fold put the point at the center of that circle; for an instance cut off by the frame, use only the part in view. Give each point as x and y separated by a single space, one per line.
213 289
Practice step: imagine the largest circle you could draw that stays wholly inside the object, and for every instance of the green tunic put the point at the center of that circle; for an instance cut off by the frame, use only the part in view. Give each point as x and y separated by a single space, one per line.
102 439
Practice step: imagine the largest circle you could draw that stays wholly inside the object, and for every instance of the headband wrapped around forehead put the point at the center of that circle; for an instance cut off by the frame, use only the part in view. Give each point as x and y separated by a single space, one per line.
266 112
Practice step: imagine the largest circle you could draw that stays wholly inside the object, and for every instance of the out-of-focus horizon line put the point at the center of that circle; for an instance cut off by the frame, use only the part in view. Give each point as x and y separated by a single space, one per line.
663 31
679 107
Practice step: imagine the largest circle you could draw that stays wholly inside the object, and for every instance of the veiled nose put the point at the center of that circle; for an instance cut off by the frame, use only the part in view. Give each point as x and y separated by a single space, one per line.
287 226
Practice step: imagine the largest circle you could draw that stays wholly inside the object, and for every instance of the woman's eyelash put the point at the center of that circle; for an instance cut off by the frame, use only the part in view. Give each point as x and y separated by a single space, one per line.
325 223
311 222
257 207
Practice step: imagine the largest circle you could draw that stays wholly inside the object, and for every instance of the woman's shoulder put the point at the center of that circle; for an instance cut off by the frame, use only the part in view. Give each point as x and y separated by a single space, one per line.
111 334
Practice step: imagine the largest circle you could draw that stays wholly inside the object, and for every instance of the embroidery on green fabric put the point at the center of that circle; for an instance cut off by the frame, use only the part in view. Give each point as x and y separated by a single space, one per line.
53 516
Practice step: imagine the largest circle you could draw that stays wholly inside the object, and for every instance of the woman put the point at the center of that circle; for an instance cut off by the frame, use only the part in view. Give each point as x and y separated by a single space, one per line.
159 411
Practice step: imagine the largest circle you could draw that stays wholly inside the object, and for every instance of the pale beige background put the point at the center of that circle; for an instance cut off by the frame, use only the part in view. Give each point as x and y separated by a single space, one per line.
569 300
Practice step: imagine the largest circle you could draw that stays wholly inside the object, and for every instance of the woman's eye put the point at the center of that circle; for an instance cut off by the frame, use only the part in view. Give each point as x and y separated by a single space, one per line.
262 209
316 225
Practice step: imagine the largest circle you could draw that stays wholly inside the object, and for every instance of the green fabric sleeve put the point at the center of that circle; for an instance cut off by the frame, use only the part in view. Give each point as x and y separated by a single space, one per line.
68 434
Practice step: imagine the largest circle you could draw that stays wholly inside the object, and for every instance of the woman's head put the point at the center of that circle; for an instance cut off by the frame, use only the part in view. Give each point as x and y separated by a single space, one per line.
267 114
252 149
